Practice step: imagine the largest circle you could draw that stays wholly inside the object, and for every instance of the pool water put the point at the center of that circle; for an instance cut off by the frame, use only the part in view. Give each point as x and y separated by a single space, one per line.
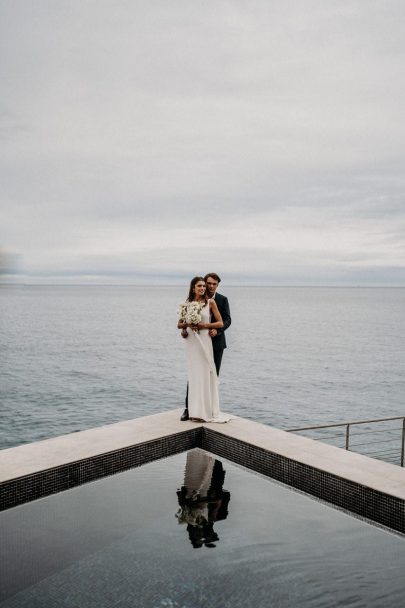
192 531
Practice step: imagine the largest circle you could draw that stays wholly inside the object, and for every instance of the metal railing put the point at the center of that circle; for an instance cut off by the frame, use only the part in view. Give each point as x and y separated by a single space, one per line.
389 455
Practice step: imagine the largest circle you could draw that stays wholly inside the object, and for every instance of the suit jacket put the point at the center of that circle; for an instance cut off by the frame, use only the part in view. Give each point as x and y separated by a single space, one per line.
219 342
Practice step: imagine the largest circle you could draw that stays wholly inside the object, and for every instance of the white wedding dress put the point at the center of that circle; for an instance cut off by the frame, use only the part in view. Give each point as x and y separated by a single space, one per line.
203 399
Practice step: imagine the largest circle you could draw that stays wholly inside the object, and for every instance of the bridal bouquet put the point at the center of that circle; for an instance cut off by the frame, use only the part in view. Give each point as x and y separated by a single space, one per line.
190 312
192 515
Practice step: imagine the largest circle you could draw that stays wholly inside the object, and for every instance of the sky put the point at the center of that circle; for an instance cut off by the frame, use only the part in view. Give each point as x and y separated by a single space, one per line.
149 141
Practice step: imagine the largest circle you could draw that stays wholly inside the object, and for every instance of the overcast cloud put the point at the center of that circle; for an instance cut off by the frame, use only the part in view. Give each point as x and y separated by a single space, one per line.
147 141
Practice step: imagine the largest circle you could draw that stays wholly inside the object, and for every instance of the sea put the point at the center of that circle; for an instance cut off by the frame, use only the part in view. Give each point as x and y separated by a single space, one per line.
76 357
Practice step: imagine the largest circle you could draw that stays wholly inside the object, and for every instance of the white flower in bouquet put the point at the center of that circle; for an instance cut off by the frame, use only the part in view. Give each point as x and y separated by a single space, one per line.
182 311
190 312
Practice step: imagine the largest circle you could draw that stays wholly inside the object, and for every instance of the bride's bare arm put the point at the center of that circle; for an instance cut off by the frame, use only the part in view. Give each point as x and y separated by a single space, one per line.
183 326
217 315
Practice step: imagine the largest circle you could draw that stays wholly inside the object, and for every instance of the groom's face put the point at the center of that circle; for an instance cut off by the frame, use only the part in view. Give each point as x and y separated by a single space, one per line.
212 285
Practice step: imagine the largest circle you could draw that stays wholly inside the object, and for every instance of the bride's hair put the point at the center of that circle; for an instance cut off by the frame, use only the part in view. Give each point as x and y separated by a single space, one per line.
191 293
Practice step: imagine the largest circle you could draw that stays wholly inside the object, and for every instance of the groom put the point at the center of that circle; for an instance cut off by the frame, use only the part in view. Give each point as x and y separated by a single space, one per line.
212 280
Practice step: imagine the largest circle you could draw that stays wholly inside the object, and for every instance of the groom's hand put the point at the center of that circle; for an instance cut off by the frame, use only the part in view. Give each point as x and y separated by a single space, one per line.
212 333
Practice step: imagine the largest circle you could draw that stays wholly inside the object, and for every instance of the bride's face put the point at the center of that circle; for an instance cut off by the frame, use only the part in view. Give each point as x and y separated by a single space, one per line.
199 288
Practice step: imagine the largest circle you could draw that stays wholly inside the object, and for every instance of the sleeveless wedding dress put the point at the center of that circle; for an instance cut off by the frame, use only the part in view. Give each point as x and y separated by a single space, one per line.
203 398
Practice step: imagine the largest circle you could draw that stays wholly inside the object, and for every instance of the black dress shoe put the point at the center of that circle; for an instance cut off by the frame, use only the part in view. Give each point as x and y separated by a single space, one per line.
184 415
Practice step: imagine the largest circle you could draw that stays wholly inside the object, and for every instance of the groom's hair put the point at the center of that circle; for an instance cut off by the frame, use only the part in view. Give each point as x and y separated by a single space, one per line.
213 275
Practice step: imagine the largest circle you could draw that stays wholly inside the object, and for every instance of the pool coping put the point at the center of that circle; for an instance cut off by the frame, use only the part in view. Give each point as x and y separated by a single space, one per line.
362 485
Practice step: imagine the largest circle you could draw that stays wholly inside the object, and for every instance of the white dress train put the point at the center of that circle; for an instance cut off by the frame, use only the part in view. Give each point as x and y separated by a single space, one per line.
203 398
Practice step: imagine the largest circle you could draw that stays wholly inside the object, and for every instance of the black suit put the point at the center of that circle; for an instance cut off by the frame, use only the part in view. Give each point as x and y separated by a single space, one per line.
219 342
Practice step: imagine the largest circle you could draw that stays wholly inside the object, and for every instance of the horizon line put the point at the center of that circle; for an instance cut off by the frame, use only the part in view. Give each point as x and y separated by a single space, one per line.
289 285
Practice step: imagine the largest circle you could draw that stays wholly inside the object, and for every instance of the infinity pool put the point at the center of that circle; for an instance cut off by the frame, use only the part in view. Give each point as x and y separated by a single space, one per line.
191 531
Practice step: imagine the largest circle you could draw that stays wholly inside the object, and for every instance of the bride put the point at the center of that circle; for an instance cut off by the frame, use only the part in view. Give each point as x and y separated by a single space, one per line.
203 399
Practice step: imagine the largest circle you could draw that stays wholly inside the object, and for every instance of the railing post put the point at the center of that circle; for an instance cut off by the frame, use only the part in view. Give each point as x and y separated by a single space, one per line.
347 436
403 442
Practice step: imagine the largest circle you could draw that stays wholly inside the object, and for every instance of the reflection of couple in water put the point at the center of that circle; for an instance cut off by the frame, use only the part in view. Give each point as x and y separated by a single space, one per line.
202 499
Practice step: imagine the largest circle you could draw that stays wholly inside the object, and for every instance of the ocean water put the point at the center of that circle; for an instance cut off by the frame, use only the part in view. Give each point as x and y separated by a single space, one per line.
75 357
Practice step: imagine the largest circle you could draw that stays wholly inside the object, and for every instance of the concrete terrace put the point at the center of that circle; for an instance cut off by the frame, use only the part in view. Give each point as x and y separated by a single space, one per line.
368 487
